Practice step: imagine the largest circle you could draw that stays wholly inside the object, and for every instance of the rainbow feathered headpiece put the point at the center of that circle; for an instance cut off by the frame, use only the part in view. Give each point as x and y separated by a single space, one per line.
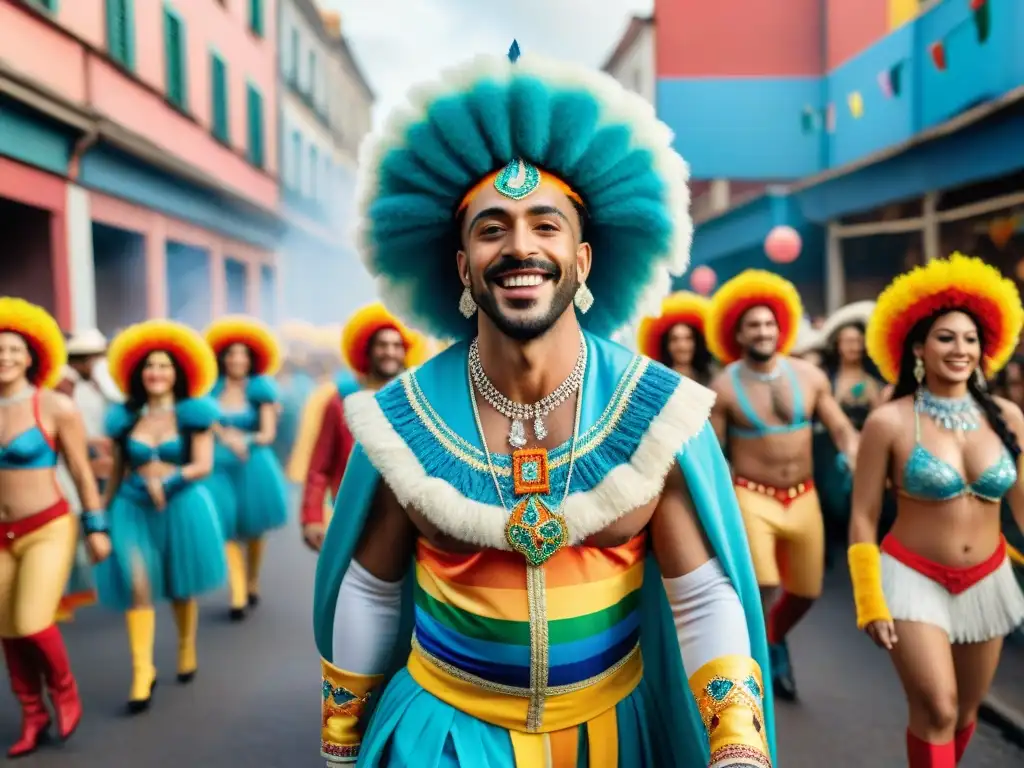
356 335
751 288
682 307
42 335
239 329
957 283
512 120
189 350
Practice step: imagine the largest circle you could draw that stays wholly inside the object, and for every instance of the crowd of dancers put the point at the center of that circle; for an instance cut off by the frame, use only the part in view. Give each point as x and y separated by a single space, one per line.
545 551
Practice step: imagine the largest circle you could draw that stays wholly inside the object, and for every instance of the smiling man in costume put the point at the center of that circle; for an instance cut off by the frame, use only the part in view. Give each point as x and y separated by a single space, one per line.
767 402
581 592
378 347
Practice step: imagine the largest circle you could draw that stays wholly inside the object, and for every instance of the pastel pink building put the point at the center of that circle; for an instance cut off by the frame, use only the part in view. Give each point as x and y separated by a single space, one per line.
138 158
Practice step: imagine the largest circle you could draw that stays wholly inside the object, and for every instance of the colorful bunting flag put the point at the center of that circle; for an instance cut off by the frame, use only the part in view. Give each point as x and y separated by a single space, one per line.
856 104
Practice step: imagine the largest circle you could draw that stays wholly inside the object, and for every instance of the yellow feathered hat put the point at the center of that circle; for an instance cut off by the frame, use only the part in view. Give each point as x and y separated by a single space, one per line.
682 307
751 288
356 335
957 283
189 350
42 335
253 333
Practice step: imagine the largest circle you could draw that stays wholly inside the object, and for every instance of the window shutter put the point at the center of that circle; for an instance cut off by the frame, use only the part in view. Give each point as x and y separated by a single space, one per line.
219 91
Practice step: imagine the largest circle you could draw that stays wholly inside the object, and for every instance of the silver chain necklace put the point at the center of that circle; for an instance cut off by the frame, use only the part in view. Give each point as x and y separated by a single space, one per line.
18 397
764 378
518 413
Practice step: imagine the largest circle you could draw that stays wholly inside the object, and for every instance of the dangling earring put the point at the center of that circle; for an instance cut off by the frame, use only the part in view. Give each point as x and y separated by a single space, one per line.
467 306
979 379
583 299
919 370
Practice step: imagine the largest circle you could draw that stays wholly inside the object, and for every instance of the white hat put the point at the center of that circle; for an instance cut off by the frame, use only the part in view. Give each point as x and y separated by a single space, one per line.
808 338
857 312
87 342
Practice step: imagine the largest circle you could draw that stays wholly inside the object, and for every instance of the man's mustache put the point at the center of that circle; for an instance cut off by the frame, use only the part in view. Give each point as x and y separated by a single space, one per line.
512 264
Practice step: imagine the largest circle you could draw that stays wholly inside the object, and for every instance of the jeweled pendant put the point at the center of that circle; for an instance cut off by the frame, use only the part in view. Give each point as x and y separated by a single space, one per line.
539 429
517 434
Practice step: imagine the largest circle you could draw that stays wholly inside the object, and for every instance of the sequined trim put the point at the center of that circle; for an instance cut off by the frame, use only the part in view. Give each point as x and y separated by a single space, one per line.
739 756
535 598
342 753
468 453
722 693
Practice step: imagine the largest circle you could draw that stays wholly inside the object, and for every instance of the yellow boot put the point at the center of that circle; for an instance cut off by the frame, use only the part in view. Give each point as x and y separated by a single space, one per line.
255 564
236 579
186 618
141 623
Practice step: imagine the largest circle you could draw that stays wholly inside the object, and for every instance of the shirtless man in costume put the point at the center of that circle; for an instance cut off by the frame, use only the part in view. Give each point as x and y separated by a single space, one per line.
763 415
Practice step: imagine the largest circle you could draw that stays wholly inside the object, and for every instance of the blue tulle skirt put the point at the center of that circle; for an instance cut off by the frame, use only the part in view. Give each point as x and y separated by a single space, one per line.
251 497
180 549
412 728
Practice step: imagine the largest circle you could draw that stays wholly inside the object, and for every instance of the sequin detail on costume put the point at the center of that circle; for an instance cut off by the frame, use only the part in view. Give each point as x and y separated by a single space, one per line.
530 472
721 693
739 755
517 180
341 701
534 531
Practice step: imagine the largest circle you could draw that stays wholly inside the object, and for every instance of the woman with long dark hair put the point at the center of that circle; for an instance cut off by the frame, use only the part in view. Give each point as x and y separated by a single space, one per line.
38 535
168 544
940 594
676 337
247 484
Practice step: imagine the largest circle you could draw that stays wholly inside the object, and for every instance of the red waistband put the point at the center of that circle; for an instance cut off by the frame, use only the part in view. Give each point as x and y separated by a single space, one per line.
16 529
785 496
954 580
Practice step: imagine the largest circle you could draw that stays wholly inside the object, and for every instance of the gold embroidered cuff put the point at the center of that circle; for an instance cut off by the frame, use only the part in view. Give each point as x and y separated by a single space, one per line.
344 697
730 697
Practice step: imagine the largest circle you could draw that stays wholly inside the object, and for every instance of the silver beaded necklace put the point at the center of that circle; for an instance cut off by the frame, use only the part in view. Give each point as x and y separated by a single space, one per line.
518 413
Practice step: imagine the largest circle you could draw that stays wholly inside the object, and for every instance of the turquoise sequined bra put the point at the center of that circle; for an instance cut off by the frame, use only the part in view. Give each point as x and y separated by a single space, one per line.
927 477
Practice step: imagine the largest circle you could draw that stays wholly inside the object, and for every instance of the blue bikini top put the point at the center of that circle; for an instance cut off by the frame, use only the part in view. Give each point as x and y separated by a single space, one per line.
927 477
757 427
31 449
139 453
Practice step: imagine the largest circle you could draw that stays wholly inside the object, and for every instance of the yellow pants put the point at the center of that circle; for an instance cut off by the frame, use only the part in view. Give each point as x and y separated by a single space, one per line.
34 571
787 542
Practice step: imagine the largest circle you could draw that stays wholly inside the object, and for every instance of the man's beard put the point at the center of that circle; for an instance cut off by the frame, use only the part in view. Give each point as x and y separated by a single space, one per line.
759 357
377 371
530 328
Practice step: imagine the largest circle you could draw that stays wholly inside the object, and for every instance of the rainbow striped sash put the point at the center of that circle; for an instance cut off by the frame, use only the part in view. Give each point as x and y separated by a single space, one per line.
534 637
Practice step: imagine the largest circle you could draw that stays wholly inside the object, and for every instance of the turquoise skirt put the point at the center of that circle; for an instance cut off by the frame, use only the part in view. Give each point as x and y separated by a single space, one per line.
180 549
251 497
411 728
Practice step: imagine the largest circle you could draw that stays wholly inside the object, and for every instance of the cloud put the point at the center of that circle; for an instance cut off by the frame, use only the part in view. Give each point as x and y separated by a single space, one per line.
402 42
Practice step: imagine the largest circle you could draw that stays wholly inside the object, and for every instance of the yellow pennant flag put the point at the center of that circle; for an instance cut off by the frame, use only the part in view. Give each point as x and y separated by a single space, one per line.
856 104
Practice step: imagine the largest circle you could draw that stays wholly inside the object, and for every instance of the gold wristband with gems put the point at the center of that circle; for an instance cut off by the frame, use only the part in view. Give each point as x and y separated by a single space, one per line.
730 698
344 696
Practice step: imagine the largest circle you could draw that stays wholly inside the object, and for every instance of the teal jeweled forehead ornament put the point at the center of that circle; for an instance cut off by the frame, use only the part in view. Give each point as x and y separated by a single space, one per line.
517 180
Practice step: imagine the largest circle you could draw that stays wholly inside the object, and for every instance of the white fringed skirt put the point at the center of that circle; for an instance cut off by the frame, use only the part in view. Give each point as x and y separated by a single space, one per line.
991 607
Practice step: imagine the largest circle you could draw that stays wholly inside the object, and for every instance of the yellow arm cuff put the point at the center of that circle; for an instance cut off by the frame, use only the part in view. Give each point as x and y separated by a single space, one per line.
343 702
730 698
866 574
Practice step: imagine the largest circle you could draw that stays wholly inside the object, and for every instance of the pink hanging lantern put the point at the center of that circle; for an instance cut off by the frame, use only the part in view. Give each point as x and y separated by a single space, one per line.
783 245
703 280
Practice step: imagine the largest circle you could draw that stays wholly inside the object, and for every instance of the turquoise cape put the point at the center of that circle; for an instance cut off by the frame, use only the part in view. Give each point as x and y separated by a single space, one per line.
638 399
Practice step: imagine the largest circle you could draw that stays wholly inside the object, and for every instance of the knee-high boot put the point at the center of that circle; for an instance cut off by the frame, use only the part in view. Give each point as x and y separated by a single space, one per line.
236 579
924 754
60 683
141 624
186 618
27 685
254 563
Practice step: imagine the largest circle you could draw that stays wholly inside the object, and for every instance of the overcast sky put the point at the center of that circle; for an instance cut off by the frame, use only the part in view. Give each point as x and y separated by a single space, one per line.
401 42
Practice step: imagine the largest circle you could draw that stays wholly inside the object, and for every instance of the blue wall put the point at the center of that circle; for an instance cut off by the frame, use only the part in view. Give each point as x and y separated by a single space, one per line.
742 127
751 128
34 139
188 284
116 173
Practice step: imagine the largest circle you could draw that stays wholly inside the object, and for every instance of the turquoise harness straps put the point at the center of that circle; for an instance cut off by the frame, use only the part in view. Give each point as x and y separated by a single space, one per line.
758 428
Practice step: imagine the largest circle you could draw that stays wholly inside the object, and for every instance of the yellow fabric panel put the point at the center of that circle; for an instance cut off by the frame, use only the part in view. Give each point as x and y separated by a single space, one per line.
902 11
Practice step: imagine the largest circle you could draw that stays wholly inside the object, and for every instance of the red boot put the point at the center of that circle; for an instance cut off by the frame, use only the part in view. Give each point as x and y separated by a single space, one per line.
59 681
27 684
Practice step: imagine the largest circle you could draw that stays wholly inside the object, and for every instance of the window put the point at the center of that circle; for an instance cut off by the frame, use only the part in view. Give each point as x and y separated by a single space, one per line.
312 73
254 104
314 162
121 32
297 160
174 55
256 17
219 96
293 74
46 5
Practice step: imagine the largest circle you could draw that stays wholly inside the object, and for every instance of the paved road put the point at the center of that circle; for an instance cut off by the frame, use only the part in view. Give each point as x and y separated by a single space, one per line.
255 700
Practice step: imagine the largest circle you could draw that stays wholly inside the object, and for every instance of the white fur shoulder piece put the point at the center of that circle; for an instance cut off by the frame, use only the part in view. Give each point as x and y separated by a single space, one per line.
621 460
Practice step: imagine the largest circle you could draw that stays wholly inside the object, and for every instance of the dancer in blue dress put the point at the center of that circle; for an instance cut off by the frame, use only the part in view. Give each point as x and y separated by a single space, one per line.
247 483
167 541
